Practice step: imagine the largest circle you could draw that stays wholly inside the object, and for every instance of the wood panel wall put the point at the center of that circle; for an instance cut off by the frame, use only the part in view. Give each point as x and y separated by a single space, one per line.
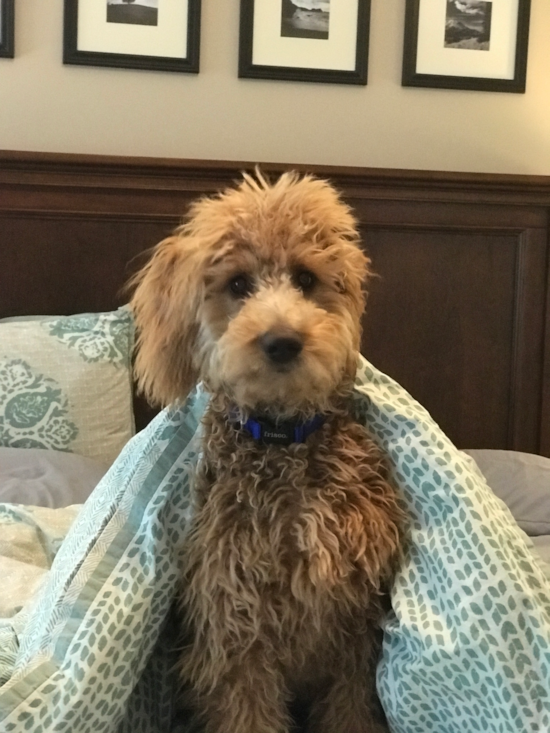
459 314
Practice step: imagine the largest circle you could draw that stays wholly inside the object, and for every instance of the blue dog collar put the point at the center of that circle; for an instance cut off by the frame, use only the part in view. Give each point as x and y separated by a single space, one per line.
282 433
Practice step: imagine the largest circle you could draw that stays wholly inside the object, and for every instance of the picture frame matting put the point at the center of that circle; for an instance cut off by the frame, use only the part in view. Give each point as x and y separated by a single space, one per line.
329 46
466 44
156 35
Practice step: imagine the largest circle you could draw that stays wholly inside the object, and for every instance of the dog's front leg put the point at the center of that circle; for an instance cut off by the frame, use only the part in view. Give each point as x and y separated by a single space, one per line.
350 705
248 698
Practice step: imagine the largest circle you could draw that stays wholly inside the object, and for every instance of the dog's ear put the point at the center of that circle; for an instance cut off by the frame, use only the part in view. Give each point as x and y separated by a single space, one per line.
166 304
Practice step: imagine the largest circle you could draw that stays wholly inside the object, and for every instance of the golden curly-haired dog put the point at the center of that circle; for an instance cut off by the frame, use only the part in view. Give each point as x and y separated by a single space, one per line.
296 529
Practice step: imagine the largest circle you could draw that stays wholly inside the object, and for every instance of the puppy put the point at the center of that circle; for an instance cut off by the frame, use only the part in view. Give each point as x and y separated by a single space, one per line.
296 529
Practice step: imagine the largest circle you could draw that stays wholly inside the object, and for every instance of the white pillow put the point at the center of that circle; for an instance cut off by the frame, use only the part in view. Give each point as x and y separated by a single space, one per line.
522 481
47 478
65 383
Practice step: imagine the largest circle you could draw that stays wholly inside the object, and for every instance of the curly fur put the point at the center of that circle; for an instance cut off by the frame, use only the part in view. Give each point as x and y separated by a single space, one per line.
291 548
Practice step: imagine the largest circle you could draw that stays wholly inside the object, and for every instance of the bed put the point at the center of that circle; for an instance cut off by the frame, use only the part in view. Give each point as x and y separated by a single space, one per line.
459 317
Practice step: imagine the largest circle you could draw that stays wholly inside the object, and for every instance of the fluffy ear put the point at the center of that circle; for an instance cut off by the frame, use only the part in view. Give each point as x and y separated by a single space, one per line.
166 303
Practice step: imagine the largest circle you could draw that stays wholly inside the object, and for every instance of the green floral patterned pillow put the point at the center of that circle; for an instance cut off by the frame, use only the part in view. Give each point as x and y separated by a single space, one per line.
65 383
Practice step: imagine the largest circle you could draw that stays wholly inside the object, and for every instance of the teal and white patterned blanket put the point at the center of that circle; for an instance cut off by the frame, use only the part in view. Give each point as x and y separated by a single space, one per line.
467 644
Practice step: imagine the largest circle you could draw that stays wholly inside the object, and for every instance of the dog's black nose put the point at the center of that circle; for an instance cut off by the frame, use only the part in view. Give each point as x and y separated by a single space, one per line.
281 347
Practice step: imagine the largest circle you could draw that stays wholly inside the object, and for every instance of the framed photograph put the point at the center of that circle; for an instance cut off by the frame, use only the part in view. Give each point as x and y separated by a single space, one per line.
7 13
466 44
305 40
160 35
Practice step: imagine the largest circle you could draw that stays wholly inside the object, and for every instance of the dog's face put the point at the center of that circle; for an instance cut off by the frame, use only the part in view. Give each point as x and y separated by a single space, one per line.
259 295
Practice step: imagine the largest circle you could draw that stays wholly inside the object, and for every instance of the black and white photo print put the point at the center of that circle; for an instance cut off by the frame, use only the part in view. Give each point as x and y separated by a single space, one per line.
468 24
136 12
305 19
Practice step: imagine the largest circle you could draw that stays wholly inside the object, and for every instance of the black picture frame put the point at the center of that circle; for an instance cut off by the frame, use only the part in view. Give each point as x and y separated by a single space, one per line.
7 29
82 57
515 84
292 72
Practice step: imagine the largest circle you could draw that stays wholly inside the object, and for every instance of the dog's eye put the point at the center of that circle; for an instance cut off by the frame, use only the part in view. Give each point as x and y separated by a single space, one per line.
240 286
305 280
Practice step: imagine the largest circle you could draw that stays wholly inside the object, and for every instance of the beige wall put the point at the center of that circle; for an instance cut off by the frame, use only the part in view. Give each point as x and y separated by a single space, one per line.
45 106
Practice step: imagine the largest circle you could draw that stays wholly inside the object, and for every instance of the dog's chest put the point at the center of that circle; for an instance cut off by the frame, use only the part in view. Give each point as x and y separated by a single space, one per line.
280 522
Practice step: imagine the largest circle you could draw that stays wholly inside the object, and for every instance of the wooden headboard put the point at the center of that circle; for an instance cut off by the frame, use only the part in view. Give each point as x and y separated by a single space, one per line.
460 314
